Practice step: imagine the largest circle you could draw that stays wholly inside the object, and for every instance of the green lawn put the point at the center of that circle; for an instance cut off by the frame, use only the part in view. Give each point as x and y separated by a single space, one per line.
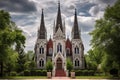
96 77
45 77
24 77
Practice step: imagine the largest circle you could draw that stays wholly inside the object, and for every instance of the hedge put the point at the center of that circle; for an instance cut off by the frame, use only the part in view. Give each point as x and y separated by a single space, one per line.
84 72
27 73
35 73
13 73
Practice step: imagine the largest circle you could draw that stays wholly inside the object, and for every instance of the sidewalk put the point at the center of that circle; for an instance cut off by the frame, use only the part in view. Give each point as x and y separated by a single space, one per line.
60 78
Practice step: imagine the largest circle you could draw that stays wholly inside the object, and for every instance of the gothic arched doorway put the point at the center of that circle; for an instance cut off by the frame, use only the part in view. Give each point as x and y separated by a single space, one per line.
59 63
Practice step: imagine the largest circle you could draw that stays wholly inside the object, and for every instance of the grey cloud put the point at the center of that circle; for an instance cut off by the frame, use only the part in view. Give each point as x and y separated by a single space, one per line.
110 2
17 5
94 10
71 7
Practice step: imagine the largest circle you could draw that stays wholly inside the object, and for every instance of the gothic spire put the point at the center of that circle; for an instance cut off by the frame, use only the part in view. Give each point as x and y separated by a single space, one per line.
76 33
42 31
59 19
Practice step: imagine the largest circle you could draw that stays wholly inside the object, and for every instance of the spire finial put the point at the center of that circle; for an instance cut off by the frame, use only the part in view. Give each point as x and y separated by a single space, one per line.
75 11
58 2
42 12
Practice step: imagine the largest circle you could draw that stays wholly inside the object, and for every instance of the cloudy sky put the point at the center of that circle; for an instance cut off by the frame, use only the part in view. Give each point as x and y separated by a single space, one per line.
27 13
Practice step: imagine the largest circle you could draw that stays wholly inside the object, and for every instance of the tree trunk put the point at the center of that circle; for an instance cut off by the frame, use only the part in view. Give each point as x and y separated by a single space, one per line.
1 69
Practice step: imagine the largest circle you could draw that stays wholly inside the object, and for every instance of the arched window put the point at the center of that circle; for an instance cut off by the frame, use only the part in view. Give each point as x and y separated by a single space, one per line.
76 50
41 50
68 51
77 63
50 50
59 47
41 63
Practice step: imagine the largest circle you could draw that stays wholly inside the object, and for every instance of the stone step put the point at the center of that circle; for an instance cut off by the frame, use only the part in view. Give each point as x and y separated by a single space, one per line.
60 73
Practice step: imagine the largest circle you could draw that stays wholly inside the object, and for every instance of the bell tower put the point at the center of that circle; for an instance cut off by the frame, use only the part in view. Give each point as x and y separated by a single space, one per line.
77 45
40 46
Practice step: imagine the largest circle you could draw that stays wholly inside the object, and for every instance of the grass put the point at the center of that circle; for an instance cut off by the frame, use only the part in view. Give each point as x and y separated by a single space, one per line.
24 77
96 77
45 77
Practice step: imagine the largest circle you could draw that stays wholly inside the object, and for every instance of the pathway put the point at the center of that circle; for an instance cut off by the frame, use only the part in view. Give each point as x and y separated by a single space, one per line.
60 78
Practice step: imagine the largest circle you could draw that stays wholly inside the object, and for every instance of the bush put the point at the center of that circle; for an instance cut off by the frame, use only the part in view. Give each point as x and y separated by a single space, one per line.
21 73
91 72
26 73
114 72
69 65
41 73
38 72
44 72
85 72
49 65
13 73
33 73
78 73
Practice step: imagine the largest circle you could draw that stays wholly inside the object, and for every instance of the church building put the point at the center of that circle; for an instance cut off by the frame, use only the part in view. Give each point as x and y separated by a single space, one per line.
58 48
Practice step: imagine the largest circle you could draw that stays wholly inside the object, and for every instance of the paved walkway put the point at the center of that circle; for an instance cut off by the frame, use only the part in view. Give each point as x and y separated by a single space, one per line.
60 78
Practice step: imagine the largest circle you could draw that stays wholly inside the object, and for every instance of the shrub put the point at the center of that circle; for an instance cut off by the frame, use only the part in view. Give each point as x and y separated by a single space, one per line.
85 72
21 73
38 72
49 65
26 73
78 73
13 73
41 72
91 72
33 72
114 72
44 72
69 65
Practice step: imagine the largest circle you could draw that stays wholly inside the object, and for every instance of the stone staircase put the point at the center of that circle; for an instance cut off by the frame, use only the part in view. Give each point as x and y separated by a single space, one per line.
60 73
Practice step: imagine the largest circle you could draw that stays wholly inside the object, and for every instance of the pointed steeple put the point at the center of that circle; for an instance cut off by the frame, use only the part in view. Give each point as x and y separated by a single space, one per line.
59 19
75 30
42 31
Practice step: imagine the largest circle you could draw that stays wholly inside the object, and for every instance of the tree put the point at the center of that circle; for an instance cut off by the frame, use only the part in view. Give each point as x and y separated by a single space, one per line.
69 65
106 34
49 65
94 58
10 36
21 61
30 63
10 63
